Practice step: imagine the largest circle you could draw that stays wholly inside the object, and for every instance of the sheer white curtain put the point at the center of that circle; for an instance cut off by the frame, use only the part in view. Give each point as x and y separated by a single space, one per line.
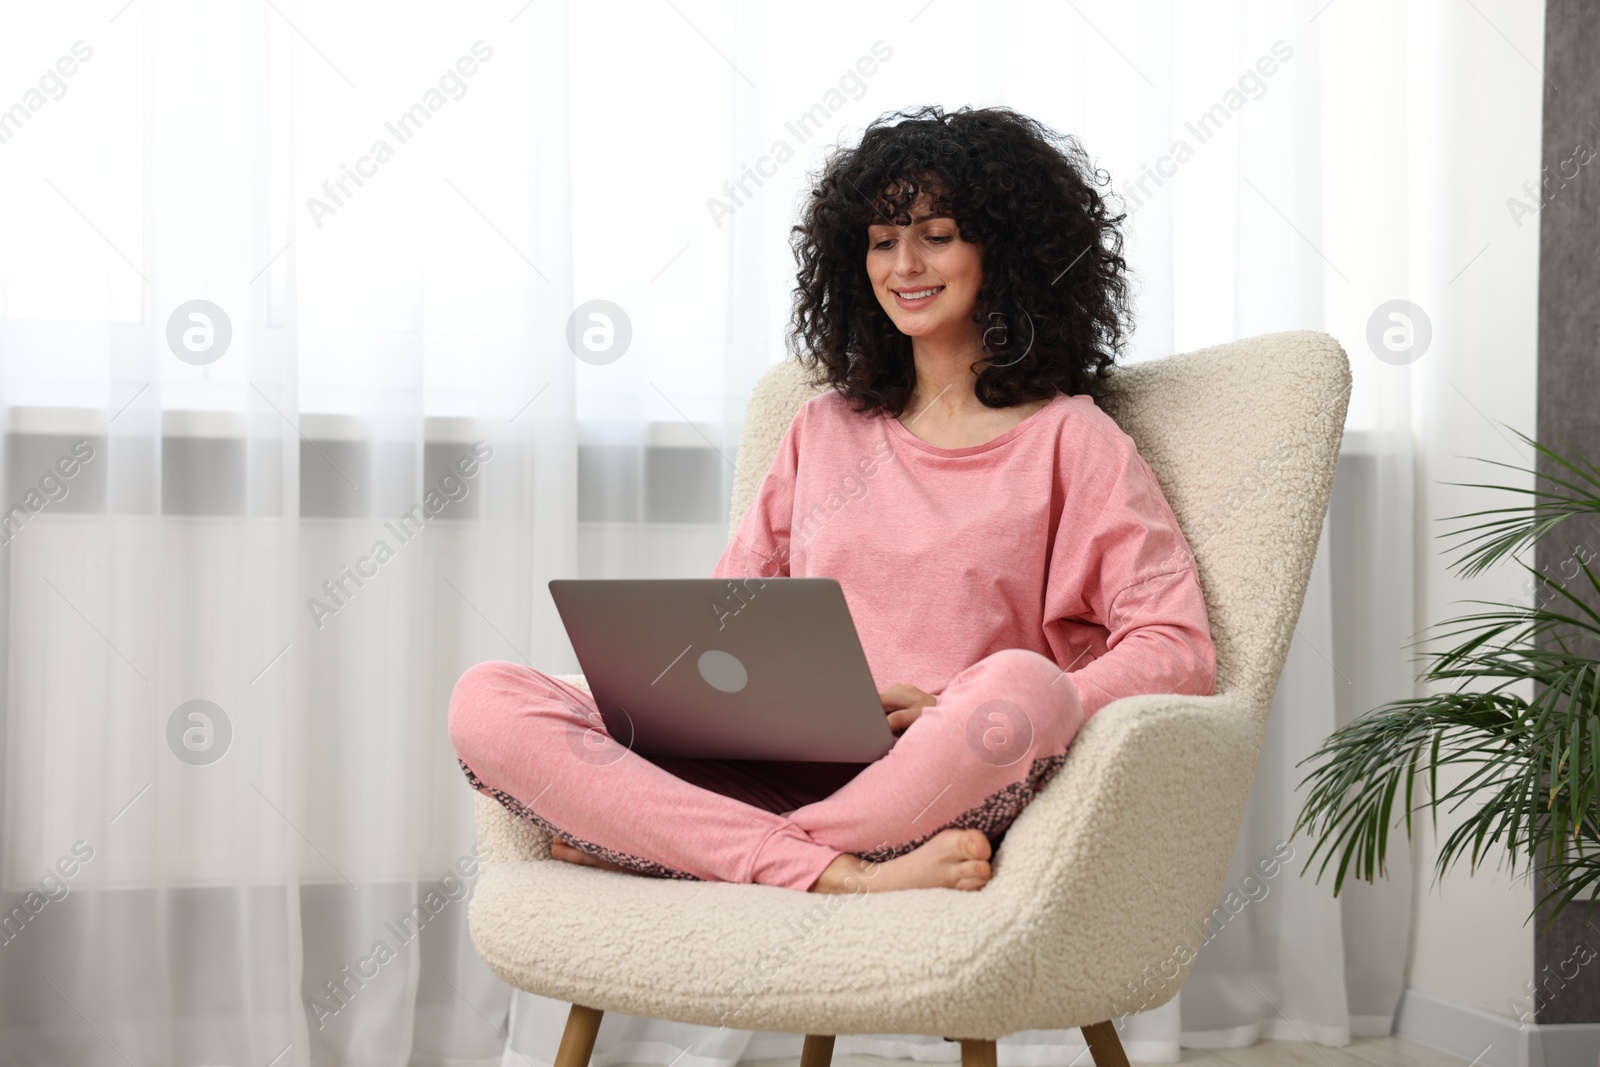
404 214
289 285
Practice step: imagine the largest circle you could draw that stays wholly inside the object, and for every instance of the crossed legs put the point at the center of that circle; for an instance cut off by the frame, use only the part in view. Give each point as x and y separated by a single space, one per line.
924 814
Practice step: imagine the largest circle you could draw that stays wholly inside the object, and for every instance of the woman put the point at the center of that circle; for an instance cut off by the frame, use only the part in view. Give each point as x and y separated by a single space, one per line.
1008 558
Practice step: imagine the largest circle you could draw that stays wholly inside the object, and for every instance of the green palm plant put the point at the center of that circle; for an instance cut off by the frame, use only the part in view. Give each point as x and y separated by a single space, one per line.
1530 767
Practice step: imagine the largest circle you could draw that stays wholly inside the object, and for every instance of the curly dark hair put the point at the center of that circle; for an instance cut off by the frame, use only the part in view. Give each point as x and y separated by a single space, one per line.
1054 298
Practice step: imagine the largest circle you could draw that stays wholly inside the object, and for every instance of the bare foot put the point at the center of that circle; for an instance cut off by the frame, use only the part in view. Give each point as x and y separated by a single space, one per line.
564 852
950 859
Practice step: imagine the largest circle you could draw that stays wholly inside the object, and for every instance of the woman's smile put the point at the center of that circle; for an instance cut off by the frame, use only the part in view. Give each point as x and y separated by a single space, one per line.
917 298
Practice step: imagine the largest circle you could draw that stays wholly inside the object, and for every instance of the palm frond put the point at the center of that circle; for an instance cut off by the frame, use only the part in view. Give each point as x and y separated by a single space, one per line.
1484 544
1523 773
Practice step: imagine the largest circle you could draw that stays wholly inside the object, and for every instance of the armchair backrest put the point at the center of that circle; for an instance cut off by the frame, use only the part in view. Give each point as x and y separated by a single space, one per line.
1243 437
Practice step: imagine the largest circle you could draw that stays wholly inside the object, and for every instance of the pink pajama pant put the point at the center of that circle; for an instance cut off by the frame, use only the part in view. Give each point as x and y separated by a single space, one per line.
536 744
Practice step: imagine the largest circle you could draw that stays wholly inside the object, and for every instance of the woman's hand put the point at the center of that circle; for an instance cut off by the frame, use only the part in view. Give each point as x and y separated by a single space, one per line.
904 703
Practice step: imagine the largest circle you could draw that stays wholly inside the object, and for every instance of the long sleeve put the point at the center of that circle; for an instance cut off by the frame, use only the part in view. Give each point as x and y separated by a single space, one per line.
1124 612
760 546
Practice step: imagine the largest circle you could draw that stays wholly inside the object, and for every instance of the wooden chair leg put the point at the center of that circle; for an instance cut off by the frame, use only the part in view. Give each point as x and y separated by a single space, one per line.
577 1040
1105 1048
977 1052
818 1051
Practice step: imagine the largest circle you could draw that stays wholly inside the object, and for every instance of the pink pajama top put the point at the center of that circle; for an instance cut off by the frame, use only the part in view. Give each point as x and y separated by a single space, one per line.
1052 537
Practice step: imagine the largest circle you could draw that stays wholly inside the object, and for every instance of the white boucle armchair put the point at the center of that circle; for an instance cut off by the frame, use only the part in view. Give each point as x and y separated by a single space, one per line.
1096 881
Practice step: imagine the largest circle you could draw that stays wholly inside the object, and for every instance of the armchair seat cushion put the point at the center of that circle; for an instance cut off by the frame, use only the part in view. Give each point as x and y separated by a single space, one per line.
1011 956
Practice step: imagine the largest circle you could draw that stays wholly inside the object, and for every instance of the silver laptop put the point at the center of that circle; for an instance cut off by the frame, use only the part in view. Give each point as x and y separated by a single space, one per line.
717 668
